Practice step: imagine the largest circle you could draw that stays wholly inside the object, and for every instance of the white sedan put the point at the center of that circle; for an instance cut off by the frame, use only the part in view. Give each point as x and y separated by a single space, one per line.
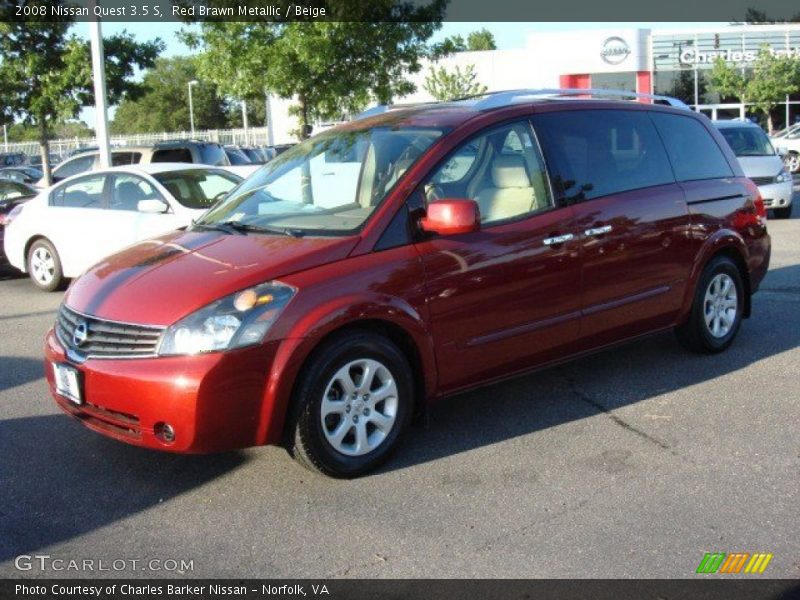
71 226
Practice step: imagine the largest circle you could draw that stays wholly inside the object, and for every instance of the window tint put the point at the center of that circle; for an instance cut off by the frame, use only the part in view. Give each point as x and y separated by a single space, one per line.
86 192
197 188
595 153
501 170
172 155
692 150
747 141
125 158
128 190
74 166
12 189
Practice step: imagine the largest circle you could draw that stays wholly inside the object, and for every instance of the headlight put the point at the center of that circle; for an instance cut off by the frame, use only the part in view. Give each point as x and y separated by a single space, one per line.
783 176
241 319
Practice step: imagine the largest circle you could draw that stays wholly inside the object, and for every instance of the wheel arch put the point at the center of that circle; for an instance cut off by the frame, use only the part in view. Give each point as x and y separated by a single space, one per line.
730 245
31 241
295 354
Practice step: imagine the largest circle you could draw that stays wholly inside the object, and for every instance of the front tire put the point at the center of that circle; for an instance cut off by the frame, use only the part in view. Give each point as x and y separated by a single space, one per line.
44 266
353 402
717 309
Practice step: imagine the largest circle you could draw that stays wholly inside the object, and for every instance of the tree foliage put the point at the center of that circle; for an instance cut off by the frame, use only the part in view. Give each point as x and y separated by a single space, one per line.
448 85
482 39
46 73
165 104
329 67
771 79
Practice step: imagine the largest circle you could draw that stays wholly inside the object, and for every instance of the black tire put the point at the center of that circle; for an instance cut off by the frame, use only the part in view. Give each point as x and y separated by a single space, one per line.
792 162
54 281
695 334
309 444
783 213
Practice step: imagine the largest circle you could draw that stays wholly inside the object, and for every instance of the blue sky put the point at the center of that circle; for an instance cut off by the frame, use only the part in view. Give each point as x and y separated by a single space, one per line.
507 35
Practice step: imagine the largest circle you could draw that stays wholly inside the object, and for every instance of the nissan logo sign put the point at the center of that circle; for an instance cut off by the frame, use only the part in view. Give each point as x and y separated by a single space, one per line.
615 50
81 334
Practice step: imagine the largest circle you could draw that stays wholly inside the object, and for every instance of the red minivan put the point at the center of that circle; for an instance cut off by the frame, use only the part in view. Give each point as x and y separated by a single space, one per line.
379 266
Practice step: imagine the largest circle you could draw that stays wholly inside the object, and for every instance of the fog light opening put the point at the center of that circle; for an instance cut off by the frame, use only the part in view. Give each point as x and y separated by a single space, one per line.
164 432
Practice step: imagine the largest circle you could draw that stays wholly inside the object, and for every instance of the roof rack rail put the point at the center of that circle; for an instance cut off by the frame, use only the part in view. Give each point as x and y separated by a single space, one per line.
507 97
382 108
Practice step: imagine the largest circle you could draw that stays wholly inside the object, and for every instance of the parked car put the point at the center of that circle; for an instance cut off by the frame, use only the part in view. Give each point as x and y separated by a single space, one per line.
236 156
12 159
761 163
74 224
12 193
182 151
256 155
23 174
35 160
476 240
275 151
787 143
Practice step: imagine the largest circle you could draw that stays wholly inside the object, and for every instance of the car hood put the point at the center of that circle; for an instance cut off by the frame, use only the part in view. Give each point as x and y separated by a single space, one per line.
761 166
161 280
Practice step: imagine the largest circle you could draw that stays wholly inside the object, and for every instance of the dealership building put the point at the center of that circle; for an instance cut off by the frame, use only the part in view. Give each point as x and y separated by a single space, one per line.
668 62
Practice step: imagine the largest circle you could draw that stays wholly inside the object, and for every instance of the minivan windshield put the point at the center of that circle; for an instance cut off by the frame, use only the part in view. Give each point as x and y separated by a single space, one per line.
748 141
328 185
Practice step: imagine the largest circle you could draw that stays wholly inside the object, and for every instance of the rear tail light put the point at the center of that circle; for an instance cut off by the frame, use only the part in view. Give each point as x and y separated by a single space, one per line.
754 211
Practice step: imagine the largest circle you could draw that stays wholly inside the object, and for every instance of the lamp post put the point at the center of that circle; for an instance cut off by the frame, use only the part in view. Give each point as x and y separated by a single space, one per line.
192 83
100 101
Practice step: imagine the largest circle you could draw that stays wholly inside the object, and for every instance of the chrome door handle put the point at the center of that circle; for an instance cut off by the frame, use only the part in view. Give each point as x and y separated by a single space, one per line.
598 230
559 239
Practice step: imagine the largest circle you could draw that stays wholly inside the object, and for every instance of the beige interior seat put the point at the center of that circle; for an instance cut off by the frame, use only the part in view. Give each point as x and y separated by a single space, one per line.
510 192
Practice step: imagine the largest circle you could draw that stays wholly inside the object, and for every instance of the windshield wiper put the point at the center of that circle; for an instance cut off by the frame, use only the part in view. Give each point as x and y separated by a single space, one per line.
245 228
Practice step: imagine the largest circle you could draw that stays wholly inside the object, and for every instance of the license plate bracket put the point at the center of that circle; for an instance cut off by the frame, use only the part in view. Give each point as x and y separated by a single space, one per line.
68 383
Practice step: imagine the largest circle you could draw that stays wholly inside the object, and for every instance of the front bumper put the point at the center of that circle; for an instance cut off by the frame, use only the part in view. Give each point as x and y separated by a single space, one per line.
212 401
777 195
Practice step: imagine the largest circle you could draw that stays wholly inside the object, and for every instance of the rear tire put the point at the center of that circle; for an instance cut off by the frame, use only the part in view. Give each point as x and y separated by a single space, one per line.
717 309
352 404
783 213
44 266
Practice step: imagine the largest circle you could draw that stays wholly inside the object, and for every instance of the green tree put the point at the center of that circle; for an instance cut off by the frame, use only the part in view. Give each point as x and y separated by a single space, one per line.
446 85
165 104
329 67
683 87
483 39
47 73
772 78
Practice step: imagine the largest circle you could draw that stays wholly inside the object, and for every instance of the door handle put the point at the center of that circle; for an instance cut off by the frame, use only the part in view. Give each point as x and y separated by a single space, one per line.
558 239
598 230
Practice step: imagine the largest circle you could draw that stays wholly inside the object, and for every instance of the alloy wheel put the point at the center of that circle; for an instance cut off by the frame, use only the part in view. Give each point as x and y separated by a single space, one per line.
43 265
359 407
720 305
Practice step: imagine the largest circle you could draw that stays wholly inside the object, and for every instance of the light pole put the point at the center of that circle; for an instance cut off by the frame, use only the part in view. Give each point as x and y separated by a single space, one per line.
101 111
192 83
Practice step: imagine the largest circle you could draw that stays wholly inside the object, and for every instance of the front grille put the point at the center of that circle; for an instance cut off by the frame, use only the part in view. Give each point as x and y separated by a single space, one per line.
763 180
105 339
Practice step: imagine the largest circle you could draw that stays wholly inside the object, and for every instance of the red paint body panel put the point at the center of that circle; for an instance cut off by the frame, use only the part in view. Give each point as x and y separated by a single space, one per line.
474 307
160 281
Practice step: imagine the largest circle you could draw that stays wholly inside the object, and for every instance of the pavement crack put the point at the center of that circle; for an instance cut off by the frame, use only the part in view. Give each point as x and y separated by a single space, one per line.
582 395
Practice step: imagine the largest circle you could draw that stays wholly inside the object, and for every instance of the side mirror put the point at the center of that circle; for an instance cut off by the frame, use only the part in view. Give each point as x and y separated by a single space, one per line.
152 206
451 216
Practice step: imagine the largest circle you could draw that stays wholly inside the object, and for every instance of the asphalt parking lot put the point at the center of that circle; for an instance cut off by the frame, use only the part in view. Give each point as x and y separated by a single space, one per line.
630 463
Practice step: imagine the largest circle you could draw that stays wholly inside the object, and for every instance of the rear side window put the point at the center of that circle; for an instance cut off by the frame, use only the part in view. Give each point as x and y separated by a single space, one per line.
183 155
693 152
125 158
74 166
86 192
595 153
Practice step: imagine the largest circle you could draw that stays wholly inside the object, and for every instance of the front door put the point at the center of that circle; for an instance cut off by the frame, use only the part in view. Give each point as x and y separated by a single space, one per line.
508 296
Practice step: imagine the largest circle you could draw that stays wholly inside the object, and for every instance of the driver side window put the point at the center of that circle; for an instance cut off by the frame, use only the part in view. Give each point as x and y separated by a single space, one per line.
502 170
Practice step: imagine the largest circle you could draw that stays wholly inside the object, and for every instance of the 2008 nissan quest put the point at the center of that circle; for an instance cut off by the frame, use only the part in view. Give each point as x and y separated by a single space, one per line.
391 261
